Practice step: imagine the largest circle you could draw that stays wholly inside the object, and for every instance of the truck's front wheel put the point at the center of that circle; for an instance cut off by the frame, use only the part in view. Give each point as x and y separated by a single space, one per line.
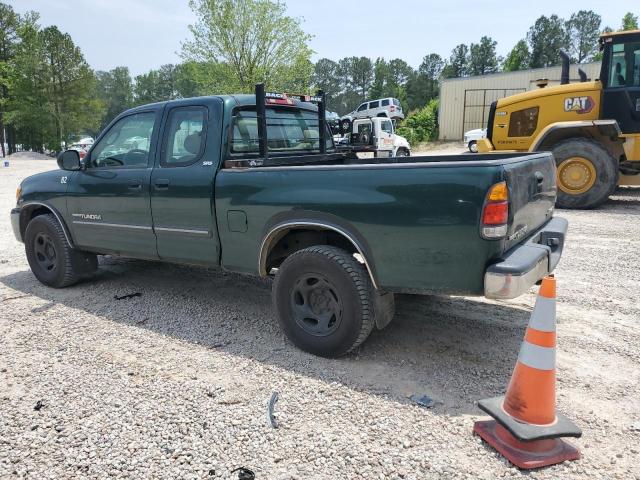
51 258
587 173
325 300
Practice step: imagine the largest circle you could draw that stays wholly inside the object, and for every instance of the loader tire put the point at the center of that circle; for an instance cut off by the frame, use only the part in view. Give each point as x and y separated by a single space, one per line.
586 173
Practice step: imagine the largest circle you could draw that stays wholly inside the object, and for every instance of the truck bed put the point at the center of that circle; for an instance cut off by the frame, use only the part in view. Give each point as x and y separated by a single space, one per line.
418 217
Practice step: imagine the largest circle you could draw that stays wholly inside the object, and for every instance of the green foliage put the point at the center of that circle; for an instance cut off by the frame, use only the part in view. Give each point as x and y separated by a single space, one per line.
52 89
518 58
546 38
482 57
421 125
254 39
458 65
630 21
115 90
583 29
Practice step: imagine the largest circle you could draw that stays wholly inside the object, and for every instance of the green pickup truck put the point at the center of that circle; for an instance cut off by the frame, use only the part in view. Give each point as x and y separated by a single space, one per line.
254 184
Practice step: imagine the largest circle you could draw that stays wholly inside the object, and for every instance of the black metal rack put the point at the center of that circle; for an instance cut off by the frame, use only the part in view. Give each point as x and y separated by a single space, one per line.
261 103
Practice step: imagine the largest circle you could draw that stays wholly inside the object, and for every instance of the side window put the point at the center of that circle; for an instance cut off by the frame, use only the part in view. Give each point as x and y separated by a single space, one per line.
126 144
523 123
386 126
375 104
618 67
362 107
184 140
385 103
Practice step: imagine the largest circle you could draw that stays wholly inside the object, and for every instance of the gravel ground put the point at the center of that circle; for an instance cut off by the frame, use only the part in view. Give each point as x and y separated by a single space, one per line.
174 383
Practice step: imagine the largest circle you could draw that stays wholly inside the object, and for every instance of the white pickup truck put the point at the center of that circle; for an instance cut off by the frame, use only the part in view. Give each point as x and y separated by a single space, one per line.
377 135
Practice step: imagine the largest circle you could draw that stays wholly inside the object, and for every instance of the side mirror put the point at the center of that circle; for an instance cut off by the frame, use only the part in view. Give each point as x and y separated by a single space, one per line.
69 160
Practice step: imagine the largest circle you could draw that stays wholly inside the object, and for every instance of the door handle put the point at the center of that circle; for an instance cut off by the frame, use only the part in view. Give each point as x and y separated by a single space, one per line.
162 184
135 185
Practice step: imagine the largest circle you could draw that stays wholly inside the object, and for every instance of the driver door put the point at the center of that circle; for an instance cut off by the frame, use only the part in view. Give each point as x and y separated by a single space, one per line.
109 201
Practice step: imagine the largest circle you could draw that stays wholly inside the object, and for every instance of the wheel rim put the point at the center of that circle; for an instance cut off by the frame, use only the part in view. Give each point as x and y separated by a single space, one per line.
45 252
576 175
317 307
473 147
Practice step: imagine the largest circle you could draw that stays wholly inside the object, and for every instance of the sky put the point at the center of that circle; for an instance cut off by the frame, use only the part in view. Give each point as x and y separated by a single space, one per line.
144 34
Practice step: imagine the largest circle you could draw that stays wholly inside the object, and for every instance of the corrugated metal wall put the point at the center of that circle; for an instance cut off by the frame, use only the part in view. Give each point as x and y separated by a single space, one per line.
464 102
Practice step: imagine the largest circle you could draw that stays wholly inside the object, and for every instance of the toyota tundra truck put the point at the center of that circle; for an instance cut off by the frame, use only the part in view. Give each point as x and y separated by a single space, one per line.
254 184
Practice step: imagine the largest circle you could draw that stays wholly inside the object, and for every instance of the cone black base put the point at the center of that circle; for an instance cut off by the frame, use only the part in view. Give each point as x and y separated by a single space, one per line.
525 455
526 432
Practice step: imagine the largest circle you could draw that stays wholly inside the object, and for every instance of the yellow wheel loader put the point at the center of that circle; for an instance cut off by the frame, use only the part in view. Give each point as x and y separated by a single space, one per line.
592 127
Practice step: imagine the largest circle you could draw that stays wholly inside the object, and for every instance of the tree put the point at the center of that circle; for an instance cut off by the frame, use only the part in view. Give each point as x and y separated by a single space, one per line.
53 89
9 23
115 89
482 57
518 58
254 38
583 29
458 65
630 21
361 75
546 38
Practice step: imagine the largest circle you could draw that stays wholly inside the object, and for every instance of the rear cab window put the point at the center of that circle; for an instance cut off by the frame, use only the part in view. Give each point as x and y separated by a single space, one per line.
289 131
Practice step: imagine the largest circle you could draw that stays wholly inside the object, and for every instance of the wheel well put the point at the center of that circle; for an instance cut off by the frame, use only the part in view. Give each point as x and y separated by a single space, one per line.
287 241
606 136
29 212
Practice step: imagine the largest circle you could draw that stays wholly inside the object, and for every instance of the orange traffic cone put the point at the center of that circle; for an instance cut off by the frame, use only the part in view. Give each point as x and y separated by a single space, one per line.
526 428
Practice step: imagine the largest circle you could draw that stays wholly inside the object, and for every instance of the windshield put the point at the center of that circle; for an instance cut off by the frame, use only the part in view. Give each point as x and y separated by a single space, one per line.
288 131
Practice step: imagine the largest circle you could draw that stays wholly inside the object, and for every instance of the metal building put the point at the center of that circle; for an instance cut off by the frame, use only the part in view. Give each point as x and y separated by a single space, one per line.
465 102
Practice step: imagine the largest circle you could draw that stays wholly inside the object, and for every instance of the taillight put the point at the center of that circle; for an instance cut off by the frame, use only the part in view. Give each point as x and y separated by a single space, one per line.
495 214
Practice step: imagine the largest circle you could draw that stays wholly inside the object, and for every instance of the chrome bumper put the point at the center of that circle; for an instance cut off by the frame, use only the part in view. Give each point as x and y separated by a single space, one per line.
526 264
15 223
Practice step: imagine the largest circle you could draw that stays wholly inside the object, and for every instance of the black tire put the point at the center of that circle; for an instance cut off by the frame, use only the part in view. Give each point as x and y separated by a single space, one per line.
473 146
51 258
346 125
600 168
402 152
325 301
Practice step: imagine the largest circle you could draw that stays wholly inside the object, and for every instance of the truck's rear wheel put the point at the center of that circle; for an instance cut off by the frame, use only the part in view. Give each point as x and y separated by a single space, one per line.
587 173
51 258
325 301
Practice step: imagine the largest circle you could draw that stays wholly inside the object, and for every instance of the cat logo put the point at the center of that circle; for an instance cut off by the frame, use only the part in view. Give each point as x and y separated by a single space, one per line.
580 105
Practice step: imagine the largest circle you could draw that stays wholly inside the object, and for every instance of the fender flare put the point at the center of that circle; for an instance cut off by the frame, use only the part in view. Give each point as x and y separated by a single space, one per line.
279 225
27 207
609 128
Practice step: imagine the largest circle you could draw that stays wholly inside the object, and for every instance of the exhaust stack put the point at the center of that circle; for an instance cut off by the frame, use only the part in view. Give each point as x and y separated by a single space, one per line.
564 77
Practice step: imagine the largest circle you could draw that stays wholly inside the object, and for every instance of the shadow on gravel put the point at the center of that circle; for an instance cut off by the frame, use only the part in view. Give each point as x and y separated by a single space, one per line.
454 350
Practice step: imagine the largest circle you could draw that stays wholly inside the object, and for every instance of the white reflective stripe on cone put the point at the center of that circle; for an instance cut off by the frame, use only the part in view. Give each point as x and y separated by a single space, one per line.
535 356
543 317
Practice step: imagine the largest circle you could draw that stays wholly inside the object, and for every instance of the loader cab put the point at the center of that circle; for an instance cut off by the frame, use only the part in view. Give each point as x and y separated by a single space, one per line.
620 76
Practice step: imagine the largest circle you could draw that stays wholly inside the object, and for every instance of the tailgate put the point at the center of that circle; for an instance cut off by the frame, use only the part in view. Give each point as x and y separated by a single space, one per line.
532 195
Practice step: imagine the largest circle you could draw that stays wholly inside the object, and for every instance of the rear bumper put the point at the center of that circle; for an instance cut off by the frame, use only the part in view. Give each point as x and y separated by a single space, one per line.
15 223
526 264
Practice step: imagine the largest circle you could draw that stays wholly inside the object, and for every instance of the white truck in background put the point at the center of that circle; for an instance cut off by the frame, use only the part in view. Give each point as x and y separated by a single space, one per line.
377 135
